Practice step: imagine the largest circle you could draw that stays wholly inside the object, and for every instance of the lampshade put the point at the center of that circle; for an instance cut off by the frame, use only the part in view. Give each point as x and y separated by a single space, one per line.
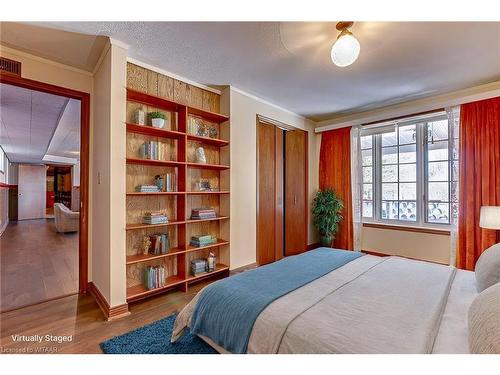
345 50
490 217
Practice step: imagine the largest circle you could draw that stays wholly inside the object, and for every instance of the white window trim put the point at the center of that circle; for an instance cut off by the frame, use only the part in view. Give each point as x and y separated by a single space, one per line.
421 166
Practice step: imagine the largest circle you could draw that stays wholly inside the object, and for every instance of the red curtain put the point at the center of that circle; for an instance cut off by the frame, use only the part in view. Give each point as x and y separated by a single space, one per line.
479 177
335 173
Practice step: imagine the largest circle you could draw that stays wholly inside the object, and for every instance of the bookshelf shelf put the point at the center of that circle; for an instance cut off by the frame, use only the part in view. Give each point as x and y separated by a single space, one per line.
191 221
149 226
207 192
207 166
161 163
139 291
211 116
207 140
132 259
218 268
141 194
181 148
155 132
219 242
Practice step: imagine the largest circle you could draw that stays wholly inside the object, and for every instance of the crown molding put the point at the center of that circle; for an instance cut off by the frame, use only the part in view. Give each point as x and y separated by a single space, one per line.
471 94
263 101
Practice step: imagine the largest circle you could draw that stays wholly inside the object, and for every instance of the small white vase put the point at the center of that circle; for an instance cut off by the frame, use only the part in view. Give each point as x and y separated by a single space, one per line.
158 122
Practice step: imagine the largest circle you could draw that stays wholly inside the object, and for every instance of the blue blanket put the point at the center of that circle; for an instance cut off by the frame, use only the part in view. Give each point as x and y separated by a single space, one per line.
227 310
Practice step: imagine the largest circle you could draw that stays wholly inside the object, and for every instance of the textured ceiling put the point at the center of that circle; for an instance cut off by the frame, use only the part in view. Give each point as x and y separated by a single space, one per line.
28 121
289 64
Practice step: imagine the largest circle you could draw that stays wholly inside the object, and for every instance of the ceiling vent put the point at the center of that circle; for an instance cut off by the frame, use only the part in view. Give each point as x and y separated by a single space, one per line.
10 66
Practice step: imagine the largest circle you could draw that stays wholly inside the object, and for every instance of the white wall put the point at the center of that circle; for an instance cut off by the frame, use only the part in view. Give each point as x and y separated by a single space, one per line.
426 246
243 113
108 229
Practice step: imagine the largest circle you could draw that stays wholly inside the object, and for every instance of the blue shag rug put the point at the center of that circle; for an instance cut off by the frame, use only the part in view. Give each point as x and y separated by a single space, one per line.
155 339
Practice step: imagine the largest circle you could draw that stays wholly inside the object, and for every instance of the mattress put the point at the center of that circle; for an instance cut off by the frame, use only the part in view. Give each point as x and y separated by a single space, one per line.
370 305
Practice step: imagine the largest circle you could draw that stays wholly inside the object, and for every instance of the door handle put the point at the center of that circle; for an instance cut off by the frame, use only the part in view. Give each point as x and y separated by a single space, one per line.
295 199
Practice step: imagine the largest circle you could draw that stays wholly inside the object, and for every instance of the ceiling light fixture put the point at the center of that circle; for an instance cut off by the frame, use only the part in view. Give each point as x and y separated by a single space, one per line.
346 48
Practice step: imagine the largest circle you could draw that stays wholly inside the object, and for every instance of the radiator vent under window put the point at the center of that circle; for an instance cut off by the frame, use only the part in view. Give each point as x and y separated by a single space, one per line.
10 66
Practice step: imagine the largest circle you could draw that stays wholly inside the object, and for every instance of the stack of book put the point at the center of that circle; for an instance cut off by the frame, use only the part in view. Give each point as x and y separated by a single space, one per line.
202 240
154 277
154 218
154 150
147 189
160 244
198 266
203 213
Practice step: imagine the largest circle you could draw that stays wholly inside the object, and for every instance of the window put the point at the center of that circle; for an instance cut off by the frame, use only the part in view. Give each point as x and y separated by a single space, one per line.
407 169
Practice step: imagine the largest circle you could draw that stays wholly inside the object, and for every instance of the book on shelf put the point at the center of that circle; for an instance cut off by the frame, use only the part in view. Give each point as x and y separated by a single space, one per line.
203 240
147 189
198 266
158 244
154 277
154 218
154 150
203 213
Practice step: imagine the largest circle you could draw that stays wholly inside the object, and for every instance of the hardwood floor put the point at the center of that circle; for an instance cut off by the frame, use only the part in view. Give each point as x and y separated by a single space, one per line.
36 263
80 317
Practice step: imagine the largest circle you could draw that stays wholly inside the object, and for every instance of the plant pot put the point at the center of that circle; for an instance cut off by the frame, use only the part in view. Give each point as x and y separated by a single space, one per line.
158 122
326 241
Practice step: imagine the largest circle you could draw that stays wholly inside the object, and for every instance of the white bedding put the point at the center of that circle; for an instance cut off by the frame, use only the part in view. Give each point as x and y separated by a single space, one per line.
370 305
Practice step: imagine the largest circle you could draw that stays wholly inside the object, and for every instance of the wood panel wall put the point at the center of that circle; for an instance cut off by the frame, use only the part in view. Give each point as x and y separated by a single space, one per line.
153 83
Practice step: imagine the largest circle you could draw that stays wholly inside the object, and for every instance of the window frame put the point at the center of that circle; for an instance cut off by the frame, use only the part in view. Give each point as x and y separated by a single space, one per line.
421 162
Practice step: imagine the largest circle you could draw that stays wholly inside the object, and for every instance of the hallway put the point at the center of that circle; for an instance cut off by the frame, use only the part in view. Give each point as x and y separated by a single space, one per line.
36 263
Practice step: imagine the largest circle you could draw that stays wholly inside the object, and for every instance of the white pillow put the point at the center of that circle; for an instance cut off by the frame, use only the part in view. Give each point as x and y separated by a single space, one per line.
488 268
484 322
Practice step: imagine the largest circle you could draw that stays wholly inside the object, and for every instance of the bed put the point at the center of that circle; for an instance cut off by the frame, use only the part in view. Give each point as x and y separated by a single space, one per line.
334 301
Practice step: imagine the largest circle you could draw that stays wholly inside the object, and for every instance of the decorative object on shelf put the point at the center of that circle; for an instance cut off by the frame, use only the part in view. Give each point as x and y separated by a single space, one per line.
147 189
212 131
200 155
154 218
155 277
203 240
157 119
326 215
198 266
204 185
146 244
160 182
346 48
211 262
140 117
203 213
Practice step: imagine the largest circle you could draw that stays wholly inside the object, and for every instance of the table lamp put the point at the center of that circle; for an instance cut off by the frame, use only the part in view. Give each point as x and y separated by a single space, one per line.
490 218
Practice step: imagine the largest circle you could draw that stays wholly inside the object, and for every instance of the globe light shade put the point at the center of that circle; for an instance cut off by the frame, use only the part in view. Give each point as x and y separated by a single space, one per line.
345 50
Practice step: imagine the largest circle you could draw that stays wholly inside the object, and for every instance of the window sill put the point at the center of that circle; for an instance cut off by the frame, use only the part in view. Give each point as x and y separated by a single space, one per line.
442 232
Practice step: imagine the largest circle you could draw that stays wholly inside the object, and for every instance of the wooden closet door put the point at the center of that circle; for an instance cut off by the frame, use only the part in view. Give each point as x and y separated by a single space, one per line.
295 192
269 193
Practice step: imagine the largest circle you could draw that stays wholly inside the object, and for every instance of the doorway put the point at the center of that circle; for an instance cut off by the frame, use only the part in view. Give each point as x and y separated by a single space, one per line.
32 199
281 191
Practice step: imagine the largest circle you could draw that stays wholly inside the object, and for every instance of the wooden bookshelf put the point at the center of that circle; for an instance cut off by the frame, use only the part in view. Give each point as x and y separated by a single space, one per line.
179 149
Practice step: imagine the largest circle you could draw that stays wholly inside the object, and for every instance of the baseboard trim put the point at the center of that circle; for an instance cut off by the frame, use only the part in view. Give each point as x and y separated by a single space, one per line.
376 253
110 313
313 246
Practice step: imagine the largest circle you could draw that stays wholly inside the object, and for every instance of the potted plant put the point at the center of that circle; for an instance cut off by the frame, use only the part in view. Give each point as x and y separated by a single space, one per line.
157 119
326 215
